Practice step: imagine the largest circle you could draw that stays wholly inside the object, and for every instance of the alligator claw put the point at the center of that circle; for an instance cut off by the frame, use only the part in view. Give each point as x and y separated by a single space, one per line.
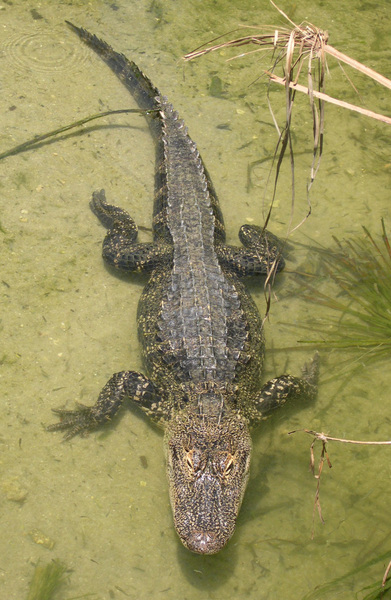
73 421
311 370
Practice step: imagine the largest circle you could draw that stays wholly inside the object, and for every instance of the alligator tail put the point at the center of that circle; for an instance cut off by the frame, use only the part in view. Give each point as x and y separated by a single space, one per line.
144 92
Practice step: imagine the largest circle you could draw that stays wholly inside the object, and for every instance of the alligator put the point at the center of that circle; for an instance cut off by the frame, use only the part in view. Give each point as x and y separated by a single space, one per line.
200 331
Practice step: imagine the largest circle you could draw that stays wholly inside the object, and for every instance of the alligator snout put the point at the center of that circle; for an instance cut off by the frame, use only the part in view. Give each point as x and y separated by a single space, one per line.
207 466
204 542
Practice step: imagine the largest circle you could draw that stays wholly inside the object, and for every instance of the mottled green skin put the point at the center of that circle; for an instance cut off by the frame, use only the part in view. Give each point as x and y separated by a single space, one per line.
200 331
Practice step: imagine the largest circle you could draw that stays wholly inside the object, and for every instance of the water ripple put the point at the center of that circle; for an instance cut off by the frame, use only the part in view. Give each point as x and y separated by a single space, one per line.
43 51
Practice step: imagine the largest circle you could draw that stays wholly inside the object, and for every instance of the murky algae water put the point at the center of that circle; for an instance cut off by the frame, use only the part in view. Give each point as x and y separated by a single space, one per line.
100 504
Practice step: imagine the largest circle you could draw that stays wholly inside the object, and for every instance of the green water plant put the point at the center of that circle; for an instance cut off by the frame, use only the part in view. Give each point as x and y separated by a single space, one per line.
353 279
340 585
47 579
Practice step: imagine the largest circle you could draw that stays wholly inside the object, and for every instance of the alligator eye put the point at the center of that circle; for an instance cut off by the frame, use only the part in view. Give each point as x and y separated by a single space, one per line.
188 444
189 460
224 464
229 466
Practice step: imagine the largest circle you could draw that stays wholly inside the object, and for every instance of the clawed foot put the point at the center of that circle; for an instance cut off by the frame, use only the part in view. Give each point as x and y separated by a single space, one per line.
311 370
73 421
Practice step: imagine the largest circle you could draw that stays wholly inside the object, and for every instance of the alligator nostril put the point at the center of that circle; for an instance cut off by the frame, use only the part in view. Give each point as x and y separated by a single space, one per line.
204 542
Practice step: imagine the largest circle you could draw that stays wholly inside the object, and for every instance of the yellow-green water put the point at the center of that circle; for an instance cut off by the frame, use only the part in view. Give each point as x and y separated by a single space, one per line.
68 324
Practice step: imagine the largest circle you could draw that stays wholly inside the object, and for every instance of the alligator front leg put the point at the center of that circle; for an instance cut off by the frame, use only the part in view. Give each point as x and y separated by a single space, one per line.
280 389
120 387
120 248
260 255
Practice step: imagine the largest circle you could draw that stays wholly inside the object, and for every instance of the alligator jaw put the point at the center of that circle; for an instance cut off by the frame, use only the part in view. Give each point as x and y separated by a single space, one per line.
207 465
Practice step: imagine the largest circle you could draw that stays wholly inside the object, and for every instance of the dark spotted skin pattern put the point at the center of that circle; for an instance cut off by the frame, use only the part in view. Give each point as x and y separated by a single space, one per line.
200 331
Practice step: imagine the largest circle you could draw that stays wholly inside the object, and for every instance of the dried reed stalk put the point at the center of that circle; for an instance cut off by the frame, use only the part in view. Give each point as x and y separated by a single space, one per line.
330 99
310 42
322 437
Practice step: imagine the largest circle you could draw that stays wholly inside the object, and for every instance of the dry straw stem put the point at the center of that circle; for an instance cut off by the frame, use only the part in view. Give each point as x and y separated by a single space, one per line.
322 437
310 42
386 573
330 99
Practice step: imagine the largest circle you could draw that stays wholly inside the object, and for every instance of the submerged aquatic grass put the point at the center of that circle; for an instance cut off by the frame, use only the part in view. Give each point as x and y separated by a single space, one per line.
46 580
359 271
374 591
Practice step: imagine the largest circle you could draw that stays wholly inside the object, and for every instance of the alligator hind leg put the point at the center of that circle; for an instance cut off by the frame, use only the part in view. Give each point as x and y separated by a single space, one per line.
260 255
120 248
120 387
280 389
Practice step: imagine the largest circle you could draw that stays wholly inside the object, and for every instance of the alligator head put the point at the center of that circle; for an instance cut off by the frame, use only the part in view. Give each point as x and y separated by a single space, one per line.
207 465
